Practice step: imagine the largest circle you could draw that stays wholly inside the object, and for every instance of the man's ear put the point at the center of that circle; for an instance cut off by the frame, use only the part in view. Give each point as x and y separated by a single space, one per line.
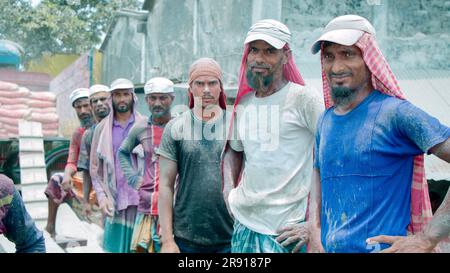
285 56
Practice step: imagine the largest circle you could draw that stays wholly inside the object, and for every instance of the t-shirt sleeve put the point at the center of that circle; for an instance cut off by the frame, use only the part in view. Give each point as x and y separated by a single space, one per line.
421 128
168 146
235 140
312 108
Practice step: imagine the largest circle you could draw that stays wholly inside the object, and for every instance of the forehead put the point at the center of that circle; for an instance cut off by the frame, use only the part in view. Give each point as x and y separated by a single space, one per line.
206 79
80 102
99 95
122 91
261 44
333 48
158 95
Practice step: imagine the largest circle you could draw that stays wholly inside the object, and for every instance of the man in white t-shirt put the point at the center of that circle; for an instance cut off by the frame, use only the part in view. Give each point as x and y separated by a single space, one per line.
268 159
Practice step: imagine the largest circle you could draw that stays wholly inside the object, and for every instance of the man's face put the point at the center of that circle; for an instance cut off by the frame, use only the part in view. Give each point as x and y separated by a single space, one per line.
99 104
206 90
83 110
264 64
122 100
345 70
159 104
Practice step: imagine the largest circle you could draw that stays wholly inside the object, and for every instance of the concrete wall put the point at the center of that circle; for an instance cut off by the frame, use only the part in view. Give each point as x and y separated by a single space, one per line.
411 33
122 52
74 76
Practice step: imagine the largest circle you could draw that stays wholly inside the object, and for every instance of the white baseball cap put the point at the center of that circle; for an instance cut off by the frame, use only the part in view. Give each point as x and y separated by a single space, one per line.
271 31
78 94
98 88
158 85
121 83
345 30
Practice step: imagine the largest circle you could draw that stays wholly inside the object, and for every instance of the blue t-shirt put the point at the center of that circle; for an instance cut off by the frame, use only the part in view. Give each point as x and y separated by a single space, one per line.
365 159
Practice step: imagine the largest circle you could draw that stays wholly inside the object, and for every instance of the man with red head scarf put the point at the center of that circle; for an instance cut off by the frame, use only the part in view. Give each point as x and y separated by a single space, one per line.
191 146
273 133
368 169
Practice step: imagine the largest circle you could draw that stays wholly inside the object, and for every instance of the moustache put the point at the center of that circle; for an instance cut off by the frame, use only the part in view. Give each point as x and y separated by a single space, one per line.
255 65
340 75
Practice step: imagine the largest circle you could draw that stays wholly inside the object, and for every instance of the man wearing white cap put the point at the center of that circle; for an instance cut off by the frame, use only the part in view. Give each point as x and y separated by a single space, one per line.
59 186
274 125
98 95
118 201
159 95
368 176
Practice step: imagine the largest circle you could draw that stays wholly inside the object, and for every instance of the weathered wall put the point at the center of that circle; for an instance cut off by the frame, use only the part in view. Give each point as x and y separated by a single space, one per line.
122 53
199 29
74 76
411 33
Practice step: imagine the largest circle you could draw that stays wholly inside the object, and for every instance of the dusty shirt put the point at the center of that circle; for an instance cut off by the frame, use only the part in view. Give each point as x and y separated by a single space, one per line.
149 136
74 148
15 222
85 149
365 159
126 195
276 134
200 214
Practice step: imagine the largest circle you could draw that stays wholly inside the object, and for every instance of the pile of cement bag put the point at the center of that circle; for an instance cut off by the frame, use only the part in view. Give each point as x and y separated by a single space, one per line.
18 103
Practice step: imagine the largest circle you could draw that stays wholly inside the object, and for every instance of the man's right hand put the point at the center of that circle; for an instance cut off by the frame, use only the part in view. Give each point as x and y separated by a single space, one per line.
169 247
106 207
66 184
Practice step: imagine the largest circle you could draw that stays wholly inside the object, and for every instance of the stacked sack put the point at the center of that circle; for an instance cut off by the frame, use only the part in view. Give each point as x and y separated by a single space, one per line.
18 103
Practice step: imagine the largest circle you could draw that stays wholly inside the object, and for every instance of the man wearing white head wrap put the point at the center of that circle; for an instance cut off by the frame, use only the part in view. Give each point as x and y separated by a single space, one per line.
59 187
274 126
159 95
118 201
98 95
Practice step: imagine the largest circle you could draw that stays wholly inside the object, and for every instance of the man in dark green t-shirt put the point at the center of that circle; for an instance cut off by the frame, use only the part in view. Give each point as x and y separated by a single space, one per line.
191 145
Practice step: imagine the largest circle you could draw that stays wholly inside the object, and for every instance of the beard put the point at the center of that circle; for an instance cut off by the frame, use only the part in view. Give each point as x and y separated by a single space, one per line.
257 81
161 113
123 108
102 113
86 120
342 95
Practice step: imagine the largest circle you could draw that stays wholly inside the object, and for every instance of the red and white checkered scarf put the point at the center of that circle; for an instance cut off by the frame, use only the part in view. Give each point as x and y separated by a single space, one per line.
384 80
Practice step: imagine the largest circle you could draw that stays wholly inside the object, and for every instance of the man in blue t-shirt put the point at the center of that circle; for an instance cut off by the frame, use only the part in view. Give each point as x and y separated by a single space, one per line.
365 143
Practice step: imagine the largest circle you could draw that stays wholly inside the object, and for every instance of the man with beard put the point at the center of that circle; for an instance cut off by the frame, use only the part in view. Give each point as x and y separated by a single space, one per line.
98 95
368 174
59 186
117 200
198 220
159 95
269 158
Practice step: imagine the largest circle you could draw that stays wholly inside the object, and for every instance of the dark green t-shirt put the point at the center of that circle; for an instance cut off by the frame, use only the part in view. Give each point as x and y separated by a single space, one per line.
200 214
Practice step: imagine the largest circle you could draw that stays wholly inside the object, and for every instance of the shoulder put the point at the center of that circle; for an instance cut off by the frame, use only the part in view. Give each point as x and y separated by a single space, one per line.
305 97
6 189
78 133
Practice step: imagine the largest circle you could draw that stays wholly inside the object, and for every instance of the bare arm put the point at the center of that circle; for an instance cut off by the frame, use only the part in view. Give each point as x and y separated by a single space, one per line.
168 172
442 150
315 205
232 166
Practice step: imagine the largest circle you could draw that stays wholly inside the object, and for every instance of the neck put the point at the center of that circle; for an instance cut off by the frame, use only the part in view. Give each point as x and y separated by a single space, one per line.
208 113
274 87
362 94
161 120
122 117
